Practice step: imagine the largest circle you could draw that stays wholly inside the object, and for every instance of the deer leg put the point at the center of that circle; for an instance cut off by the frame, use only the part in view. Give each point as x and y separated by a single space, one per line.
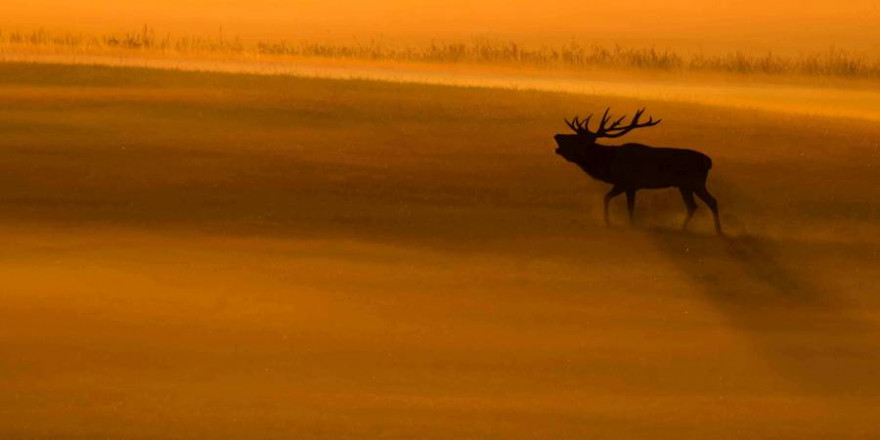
616 191
703 194
688 195
630 203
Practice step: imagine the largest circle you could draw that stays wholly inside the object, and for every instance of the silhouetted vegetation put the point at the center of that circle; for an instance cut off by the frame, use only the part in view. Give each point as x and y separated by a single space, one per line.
831 62
144 39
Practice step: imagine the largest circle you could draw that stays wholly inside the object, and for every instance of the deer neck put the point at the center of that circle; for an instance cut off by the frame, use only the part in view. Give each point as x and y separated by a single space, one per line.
596 161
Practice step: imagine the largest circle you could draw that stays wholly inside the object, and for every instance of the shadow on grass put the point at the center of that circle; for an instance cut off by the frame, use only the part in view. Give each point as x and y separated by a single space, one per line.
769 290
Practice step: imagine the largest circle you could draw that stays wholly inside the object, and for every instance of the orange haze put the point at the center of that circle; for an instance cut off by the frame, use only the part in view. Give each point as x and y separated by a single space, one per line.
743 24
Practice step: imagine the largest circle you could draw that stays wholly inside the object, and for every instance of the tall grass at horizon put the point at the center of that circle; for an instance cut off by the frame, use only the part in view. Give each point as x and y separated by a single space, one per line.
832 62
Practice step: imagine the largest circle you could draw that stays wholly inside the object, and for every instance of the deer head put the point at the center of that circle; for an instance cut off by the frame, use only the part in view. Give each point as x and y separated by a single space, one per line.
573 144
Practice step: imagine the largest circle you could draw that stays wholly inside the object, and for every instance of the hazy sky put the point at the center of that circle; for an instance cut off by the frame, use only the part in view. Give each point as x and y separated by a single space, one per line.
854 23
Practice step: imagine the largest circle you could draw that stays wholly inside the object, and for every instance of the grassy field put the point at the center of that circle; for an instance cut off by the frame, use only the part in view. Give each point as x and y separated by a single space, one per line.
208 255
830 62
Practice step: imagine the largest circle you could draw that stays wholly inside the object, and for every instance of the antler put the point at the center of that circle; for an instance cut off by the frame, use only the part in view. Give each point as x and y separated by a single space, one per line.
580 127
610 131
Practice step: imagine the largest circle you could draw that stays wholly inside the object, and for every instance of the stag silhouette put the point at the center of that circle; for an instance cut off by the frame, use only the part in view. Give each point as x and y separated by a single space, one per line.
631 167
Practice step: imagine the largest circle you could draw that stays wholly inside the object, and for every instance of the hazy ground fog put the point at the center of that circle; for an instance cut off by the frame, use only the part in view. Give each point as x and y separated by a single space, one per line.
198 255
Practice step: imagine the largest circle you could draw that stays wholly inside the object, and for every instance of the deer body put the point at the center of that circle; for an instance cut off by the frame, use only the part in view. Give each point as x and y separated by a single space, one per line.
642 167
631 167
